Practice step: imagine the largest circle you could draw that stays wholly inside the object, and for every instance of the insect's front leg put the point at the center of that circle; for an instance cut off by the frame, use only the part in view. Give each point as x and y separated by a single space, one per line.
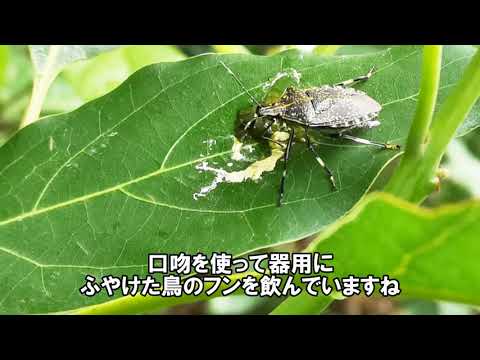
249 126
357 79
286 156
368 142
267 129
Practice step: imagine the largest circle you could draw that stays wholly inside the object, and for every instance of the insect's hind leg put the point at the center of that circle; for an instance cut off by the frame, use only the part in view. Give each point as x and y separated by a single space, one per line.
286 156
357 79
369 142
321 162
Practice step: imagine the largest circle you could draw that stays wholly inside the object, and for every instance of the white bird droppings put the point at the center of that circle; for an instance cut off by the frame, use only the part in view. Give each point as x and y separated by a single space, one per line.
291 73
252 172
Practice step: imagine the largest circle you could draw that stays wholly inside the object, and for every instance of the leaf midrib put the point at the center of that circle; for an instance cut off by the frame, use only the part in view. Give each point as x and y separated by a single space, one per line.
34 212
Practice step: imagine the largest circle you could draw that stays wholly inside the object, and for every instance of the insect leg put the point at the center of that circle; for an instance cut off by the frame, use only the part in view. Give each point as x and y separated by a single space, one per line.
285 163
243 129
321 162
357 79
250 125
274 141
318 158
267 128
369 142
268 138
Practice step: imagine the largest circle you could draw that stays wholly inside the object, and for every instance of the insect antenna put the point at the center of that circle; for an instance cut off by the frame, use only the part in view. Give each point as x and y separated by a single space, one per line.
240 83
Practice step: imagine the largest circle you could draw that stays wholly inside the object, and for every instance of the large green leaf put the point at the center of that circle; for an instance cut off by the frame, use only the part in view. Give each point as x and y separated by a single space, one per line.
433 253
96 190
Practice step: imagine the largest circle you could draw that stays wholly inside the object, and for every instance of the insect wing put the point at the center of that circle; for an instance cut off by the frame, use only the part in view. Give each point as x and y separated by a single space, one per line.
339 107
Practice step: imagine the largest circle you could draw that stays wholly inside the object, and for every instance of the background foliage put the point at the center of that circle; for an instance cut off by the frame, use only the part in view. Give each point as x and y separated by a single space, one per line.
80 82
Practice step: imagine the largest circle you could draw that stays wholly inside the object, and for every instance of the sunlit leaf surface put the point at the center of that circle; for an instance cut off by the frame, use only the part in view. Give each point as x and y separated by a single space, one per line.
95 190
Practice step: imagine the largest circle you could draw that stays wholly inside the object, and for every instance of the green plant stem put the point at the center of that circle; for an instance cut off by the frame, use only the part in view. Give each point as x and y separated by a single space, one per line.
39 93
415 178
454 110
41 84
417 137
432 64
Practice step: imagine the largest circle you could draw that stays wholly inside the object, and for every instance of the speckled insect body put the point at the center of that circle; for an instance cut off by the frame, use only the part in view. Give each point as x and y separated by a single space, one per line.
326 108
330 109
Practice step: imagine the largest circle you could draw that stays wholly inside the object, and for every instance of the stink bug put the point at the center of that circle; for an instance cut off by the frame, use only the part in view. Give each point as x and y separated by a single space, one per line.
333 110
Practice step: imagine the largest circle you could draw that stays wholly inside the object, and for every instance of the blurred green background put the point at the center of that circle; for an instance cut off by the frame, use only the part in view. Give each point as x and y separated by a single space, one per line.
86 80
